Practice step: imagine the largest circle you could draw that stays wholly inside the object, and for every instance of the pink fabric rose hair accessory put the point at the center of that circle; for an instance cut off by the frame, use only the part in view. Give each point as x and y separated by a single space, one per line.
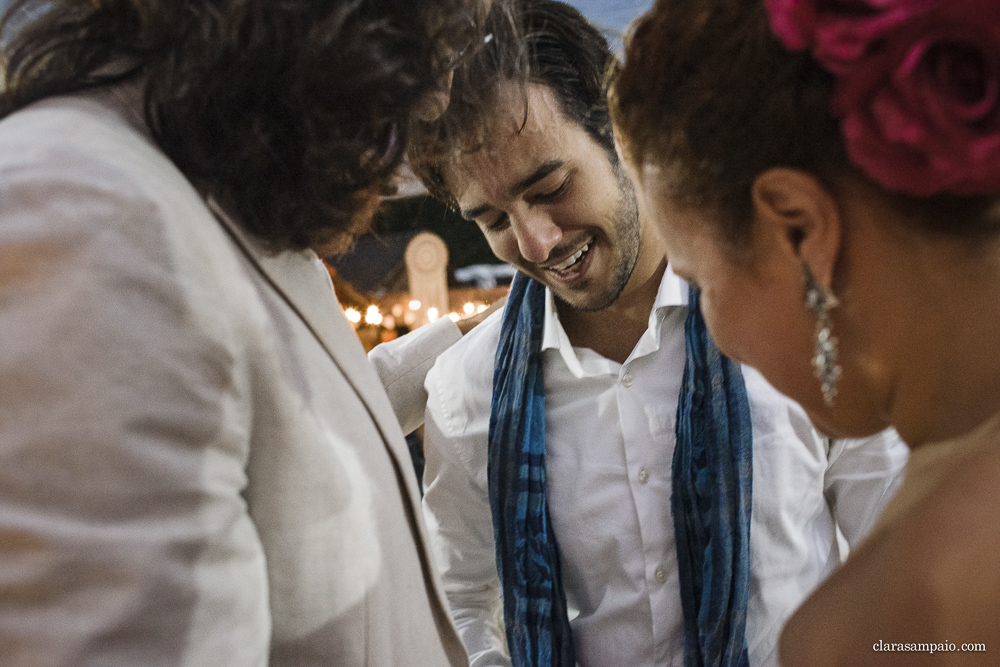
918 86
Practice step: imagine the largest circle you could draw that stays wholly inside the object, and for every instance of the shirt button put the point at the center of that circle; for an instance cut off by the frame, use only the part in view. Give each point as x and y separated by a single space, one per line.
643 475
627 379
660 575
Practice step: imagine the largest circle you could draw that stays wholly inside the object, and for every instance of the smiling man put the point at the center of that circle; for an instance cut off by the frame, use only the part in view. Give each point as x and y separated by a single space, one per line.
553 202
588 449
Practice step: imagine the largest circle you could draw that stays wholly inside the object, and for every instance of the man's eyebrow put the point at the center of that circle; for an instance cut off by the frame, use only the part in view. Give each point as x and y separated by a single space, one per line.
473 213
519 187
540 173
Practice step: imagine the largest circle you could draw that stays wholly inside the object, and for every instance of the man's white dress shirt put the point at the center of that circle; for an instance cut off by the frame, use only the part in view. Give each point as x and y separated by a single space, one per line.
609 450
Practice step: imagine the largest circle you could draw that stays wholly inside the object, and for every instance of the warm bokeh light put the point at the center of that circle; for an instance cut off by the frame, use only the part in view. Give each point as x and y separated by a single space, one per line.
414 305
352 315
373 316
432 314
453 317
481 307
469 308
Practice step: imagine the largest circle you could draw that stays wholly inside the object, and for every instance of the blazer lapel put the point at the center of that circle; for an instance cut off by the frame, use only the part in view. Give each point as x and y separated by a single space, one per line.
307 291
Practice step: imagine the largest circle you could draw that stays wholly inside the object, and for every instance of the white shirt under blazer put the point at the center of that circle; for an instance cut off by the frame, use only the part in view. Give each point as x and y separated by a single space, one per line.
609 448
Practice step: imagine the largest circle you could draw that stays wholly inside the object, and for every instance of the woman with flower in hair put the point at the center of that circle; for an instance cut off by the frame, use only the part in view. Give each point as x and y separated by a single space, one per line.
828 174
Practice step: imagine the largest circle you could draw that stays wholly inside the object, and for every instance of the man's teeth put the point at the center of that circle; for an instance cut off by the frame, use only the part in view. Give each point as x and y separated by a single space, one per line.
562 266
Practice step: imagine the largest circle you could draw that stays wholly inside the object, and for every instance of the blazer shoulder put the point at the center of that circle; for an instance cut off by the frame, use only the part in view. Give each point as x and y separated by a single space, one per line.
77 137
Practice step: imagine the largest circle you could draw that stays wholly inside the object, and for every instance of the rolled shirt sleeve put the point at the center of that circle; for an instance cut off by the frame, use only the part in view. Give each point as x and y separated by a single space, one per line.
402 365
862 476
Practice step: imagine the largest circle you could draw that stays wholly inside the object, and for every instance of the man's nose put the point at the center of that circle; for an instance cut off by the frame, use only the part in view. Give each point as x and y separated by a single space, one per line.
537 234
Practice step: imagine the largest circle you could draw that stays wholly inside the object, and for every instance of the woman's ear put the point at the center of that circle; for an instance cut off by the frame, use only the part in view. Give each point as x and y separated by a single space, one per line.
800 215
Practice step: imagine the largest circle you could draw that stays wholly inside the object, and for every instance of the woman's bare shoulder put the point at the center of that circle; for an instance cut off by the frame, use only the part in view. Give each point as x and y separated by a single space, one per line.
930 577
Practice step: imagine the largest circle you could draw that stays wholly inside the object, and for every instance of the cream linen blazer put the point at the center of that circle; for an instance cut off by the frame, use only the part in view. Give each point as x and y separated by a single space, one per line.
198 466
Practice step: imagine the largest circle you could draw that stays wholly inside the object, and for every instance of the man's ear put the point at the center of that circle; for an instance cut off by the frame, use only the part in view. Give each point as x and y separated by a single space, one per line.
798 213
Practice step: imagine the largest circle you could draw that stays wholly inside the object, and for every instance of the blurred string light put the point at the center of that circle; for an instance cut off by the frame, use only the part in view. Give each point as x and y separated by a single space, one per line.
398 315
373 316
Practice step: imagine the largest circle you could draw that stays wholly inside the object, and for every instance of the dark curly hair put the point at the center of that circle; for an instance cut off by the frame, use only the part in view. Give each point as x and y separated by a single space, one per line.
708 94
552 44
293 113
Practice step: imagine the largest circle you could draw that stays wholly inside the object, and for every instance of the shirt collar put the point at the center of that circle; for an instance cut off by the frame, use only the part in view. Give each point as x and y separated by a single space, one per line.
673 291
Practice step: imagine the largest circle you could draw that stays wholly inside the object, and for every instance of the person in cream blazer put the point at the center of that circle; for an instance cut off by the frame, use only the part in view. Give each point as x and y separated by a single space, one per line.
198 465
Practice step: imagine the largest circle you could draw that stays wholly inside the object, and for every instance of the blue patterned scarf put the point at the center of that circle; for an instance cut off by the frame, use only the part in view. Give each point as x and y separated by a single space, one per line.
534 603
711 502
712 475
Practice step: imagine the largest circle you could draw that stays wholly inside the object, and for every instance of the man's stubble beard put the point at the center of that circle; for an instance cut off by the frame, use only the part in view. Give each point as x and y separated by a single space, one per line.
626 240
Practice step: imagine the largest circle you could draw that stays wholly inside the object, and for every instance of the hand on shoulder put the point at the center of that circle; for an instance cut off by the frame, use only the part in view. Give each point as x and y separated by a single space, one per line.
466 324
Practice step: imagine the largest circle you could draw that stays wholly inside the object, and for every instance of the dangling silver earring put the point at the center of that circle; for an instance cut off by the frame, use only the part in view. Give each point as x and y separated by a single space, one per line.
819 300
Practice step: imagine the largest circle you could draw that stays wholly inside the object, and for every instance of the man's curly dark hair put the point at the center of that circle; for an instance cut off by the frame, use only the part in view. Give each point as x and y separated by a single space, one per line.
294 114
545 42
